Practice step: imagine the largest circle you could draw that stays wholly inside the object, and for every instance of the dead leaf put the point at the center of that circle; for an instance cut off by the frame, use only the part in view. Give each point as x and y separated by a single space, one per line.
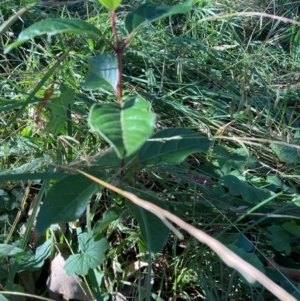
64 287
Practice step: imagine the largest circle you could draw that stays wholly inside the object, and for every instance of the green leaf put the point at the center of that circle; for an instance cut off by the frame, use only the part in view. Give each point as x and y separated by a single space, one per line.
52 27
172 146
286 153
249 193
2 298
66 201
103 73
153 231
15 288
292 228
250 258
110 4
59 108
92 255
110 215
34 261
244 243
150 12
9 250
125 126
237 159
279 239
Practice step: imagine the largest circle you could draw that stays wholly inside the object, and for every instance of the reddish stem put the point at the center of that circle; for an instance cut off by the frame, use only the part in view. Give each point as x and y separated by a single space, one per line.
119 48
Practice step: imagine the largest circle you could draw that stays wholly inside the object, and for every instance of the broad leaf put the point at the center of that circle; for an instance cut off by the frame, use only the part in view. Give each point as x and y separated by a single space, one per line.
279 239
292 228
150 12
237 159
110 4
52 27
286 153
103 73
59 108
249 193
33 261
9 250
153 231
172 146
92 255
250 258
66 201
125 126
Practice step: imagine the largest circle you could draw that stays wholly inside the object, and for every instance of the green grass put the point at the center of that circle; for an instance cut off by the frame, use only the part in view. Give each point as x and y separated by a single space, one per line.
226 78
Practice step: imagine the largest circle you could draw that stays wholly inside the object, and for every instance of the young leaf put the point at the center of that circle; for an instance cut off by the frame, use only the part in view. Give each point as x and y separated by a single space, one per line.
125 126
92 255
172 146
150 12
66 201
110 4
103 73
52 27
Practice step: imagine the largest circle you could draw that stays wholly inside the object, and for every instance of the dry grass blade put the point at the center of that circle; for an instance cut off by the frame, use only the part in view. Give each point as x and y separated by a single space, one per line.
230 258
250 14
5 26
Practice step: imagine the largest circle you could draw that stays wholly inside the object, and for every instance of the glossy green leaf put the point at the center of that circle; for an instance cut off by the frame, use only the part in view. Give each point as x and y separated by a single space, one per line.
150 12
279 239
286 153
92 255
59 111
125 126
110 4
238 187
9 250
172 146
66 201
52 27
153 231
103 73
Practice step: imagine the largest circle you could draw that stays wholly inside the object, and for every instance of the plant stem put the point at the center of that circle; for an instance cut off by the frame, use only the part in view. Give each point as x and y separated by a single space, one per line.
119 48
